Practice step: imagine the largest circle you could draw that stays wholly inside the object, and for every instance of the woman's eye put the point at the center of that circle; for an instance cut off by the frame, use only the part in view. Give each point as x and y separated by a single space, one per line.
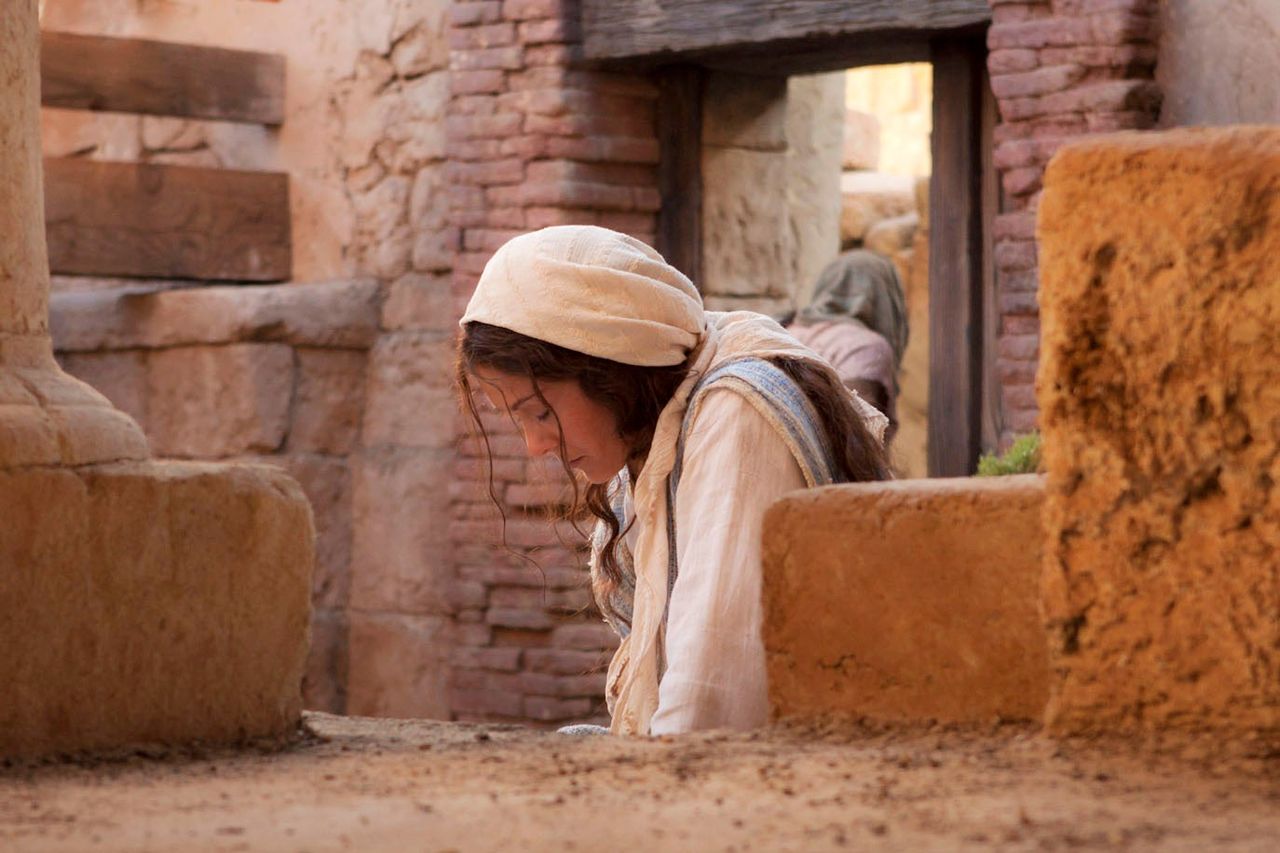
544 416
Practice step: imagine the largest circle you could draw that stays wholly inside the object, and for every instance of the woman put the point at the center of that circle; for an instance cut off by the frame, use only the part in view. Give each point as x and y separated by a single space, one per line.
685 425
857 320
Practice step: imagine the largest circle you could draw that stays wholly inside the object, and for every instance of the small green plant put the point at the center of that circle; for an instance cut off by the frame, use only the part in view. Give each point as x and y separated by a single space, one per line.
1022 457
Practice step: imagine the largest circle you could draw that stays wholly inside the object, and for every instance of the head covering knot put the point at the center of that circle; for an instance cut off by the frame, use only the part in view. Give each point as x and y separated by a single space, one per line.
593 291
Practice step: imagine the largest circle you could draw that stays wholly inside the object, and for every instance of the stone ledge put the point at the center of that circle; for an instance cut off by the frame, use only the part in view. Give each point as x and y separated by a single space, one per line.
328 314
907 600
152 602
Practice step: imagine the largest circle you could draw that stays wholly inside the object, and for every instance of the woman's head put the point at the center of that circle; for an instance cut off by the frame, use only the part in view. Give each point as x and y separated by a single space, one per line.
594 414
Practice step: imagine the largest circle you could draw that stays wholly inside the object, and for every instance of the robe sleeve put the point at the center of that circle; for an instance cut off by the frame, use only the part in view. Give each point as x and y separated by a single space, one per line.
735 466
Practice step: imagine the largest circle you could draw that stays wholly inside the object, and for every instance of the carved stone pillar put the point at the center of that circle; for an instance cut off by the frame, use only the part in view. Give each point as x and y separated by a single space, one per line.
46 416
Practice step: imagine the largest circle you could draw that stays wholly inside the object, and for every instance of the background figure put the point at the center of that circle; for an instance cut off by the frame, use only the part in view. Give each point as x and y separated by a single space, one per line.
858 322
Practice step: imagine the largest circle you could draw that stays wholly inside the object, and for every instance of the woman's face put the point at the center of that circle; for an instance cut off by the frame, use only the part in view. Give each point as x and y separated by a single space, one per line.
591 441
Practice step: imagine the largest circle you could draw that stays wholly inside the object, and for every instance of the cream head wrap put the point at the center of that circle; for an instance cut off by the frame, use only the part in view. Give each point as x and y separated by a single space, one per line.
593 291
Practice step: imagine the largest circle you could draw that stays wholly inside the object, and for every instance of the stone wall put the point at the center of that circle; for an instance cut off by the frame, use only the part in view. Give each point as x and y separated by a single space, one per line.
768 140
1060 70
531 143
362 139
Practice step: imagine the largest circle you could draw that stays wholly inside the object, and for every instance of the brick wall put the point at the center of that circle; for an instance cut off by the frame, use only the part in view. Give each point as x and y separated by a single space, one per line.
1060 69
531 142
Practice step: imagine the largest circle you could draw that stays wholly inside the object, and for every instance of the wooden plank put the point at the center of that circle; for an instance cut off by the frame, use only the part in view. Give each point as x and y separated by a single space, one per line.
992 399
956 259
680 168
635 29
160 78
154 221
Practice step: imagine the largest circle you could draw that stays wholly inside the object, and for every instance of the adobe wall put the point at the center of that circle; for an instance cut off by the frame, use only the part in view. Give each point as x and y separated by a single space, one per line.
1218 62
1161 256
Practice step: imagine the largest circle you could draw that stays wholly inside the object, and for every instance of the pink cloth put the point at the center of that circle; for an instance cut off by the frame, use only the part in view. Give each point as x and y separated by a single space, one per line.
856 352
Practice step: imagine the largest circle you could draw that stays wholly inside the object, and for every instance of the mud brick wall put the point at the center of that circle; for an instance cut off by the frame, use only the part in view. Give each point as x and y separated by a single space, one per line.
1060 70
1160 390
531 142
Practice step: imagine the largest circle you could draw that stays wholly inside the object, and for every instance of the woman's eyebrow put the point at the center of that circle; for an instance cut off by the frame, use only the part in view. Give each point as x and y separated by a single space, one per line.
523 400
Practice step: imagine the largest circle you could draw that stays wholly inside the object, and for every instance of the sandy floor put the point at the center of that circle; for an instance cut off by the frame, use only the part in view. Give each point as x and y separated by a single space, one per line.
364 784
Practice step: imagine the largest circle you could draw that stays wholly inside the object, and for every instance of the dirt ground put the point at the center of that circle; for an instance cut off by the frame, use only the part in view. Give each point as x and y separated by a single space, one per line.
362 784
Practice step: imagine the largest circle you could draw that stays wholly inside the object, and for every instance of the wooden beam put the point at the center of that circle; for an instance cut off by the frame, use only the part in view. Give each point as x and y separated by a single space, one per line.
636 29
680 168
160 78
154 221
956 259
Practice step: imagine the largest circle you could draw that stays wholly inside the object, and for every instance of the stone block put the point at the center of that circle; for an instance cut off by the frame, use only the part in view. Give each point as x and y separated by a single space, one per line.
868 197
1160 399
400 539
326 314
324 683
151 602
329 401
216 401
411 402
120 376
906 600
398 665
747 233
893 235
745 111
327 483
861 149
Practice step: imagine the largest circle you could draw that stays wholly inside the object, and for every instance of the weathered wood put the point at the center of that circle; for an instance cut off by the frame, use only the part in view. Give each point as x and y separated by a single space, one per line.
680 168
154 221
638 29
159 78
992 402
956 259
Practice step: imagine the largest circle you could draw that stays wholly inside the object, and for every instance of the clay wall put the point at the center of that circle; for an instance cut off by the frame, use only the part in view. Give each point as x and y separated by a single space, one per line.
1218 63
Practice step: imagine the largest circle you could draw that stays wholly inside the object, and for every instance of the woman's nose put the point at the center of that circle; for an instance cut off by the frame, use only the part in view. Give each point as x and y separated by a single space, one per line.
540 441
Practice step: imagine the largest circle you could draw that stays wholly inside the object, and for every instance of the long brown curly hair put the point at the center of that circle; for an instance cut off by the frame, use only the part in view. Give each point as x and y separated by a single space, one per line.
636 396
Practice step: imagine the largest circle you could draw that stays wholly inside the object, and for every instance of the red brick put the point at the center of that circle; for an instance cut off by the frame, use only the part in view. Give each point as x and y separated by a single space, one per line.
486 702
581 194
588 637
527 10
1015 255
562 686
1019 347
487 239
1018 281
1002 13
471 262
565 662
1019 303
552 55
1020 396
543 217
1022 181
609 149
1045 32
473 127
628 223
506 659
1129 56
550 578
505 58
1014 371
475 82
528 147
1011 60
597 82
1021 420
465 14
554 31
1109 122
1115 28
1053 78
1111 96
464 594
1015 226
473 105
1019 325
547 709
482 37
